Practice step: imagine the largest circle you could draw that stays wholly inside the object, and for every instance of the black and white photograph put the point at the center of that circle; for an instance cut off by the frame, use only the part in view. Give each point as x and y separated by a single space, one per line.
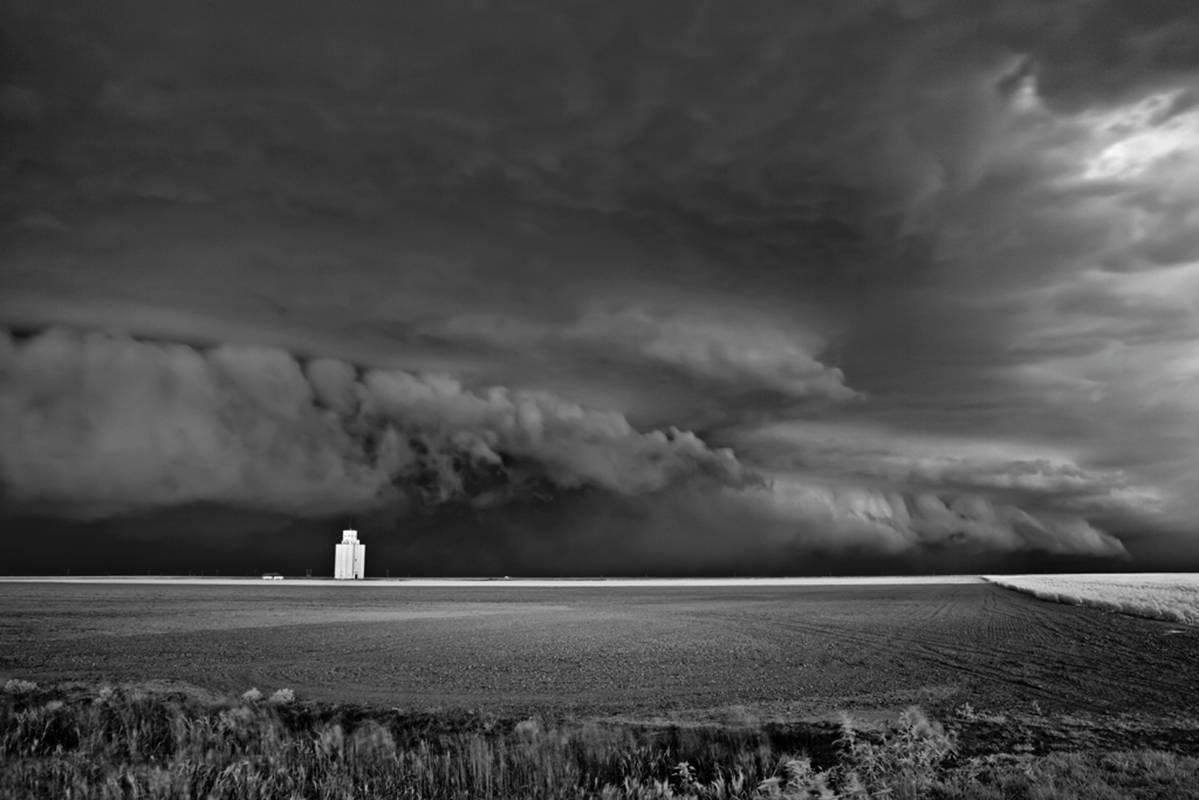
618 399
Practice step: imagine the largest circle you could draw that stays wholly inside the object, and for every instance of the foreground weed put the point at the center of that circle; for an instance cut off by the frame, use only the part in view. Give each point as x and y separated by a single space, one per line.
124 743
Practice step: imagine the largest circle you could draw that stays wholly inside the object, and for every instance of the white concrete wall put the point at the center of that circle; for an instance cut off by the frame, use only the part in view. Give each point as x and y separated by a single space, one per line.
349 561
359 561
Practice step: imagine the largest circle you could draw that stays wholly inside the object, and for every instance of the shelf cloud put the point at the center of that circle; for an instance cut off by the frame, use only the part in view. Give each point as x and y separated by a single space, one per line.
99 425
113 424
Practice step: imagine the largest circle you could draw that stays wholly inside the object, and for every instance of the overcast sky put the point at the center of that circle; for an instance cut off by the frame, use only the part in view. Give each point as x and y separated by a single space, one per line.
619 287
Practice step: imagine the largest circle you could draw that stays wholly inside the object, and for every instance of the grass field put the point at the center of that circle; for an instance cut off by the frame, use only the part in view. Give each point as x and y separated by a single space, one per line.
649 691
1167 596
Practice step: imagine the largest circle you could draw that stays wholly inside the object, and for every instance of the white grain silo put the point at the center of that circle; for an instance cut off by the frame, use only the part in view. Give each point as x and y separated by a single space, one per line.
349 562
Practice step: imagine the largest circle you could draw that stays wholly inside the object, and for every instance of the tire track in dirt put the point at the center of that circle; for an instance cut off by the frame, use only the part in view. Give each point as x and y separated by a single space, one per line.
1066 657
957 653
912 632
1098 654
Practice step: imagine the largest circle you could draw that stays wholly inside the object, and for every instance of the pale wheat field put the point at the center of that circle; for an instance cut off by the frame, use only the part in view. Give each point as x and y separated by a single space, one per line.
1173 597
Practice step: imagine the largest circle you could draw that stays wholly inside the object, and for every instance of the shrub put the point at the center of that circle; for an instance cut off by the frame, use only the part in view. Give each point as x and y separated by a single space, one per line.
907 759
282 697
18 686
797 779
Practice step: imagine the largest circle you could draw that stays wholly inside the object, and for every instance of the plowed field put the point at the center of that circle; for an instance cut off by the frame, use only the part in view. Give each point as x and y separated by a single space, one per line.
807 650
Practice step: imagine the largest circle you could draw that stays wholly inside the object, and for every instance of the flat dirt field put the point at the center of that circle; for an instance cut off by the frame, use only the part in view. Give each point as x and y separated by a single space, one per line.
653 650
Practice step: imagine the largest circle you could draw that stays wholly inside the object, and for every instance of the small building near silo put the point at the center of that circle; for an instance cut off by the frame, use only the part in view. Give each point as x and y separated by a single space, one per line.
349 560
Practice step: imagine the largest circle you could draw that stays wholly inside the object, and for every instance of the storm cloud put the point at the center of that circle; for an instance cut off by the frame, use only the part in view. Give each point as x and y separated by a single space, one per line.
905 276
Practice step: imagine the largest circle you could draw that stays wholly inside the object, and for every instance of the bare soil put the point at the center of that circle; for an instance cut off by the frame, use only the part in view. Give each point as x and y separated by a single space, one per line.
710 654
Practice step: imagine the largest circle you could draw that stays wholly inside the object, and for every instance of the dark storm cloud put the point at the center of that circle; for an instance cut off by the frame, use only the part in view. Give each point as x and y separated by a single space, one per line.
968 224
735 135
695 114
799 526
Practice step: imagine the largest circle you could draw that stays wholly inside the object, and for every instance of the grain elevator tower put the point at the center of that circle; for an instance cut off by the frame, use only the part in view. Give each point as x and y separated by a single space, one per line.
349 562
